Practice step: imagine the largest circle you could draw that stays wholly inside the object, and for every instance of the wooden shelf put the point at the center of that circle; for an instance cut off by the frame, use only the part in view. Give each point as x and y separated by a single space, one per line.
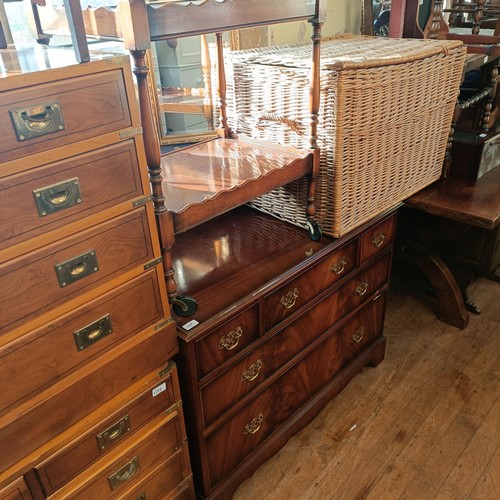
212 177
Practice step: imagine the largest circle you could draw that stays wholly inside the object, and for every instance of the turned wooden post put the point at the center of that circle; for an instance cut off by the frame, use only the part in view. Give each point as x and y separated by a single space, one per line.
136 38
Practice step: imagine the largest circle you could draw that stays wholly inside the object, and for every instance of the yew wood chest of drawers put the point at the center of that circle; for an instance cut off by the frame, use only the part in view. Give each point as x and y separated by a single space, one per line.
283 324
90 404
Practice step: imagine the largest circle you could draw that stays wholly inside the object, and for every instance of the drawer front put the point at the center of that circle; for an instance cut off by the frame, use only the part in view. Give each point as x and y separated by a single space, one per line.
360 332
17 490
171 480
57 470
227 340
45 278
290 297
234 383
50 352
240 379
234 441
378 238
64 404
50 115
134 463
50 197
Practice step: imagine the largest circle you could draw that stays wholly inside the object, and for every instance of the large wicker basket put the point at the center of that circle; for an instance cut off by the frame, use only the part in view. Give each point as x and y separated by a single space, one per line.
384 122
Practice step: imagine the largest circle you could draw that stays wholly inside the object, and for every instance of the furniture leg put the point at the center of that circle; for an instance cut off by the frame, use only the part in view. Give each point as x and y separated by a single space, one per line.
449 296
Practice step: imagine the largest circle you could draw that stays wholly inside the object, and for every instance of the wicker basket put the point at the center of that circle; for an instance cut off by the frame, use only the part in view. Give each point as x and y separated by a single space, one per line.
384 122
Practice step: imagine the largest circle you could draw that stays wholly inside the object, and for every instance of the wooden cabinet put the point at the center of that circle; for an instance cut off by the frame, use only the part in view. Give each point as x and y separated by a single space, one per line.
272 321
276 335
89 391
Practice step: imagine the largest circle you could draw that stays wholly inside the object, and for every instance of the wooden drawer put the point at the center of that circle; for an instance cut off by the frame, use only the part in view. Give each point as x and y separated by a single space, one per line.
240 379
50 412
50 352
172 480
95 443
54 114
297 292
237 381
45 278
47 198
227 340
133 462
378 238
230 444
17 490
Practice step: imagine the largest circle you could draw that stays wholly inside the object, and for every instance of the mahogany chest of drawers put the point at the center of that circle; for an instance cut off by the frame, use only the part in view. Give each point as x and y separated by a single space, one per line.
90 404
283 324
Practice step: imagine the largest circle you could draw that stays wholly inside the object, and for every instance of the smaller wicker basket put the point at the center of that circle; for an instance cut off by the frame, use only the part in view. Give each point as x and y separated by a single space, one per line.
384 122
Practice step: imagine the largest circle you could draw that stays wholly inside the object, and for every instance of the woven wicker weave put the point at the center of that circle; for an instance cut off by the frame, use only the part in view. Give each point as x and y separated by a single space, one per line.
385 116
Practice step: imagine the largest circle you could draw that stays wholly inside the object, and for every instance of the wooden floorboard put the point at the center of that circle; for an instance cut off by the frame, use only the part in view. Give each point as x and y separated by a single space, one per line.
424 424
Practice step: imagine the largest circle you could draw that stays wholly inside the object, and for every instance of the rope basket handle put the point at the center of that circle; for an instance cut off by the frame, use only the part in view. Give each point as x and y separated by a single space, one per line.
294 125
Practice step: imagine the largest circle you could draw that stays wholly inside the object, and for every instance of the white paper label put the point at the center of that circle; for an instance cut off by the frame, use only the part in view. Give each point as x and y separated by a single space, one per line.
159 389
190 325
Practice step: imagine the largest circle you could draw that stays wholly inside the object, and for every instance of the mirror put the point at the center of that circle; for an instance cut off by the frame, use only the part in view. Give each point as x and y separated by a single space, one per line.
182 79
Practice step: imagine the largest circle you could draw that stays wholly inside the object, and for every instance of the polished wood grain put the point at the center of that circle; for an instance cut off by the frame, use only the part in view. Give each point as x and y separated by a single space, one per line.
176 19
461 199
35 352
423 424
90 106
50 412
236 253
214 170
30 285
105 178
68 462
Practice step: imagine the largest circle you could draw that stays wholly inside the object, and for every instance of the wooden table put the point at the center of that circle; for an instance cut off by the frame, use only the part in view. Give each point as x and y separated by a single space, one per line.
438 228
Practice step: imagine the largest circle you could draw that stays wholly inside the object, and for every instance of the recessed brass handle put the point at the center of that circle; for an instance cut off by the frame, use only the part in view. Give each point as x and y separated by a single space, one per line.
231 340
252 372
126 473
339 266
357 336
378 240
289 299
254 425
57 197
361 288
78 267
37 120
89 334
114 432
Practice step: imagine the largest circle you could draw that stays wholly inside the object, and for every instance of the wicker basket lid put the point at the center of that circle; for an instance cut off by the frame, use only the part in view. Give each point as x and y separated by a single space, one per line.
348 52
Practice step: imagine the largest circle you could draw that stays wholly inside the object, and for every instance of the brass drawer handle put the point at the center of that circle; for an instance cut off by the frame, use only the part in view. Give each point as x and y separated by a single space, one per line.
114 432
231 340
93 332
357 336
288 300
76 268
339 266
378 240
126 473
361 288
254 425
56 197
252 372
37 120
